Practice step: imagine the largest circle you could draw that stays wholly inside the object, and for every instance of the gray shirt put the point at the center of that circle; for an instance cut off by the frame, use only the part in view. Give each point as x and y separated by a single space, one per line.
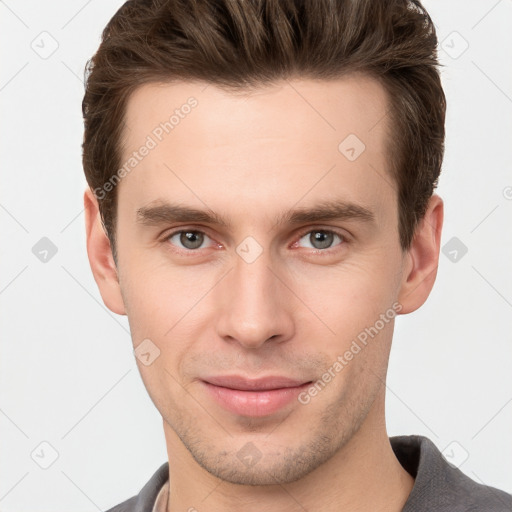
438 486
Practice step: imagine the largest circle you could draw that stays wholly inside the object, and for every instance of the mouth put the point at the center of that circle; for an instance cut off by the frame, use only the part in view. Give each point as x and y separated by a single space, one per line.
253 397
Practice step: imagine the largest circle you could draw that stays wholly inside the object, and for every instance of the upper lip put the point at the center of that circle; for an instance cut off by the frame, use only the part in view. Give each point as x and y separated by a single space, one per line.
259 384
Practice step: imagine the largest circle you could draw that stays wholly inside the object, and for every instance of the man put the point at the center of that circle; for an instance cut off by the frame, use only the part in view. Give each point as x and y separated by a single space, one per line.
261 207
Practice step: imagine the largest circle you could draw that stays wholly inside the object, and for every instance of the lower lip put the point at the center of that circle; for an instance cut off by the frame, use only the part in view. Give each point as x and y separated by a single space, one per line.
254 403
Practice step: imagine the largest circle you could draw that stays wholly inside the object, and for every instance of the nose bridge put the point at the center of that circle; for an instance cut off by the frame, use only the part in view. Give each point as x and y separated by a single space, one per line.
253 309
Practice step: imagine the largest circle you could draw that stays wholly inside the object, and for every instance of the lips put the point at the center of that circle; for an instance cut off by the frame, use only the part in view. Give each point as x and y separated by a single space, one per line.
261 384
253 397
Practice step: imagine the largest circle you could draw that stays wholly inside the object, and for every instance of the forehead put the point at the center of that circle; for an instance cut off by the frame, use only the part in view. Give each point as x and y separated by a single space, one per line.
282 139
356 104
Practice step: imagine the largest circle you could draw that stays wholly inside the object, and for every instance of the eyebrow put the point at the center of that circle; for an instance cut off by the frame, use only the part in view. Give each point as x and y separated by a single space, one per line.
164 212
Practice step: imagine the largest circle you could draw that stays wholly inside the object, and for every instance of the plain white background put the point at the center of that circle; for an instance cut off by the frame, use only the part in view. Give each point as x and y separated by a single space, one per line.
68 376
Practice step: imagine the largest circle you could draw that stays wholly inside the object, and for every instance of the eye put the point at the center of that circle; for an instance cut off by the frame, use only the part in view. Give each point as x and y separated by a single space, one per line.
321 239
188 239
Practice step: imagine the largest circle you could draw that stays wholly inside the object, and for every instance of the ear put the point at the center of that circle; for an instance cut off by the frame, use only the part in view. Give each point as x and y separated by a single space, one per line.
422 258
100 256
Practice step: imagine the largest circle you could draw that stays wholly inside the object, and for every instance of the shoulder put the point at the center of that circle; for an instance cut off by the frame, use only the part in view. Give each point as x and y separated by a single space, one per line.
441 486
145 500
464 494
125 506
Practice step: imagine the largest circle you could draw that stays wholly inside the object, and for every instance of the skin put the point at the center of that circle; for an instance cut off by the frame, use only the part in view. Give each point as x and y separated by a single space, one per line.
251 158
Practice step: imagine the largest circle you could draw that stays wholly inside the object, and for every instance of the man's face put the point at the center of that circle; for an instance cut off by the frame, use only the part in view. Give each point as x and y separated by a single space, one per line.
269 292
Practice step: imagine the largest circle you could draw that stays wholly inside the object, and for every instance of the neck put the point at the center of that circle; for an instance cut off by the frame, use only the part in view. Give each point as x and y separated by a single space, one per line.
363 475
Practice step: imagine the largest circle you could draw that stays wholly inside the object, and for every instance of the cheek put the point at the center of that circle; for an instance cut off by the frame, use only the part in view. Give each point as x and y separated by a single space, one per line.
159 308
348 298
360 317
161 300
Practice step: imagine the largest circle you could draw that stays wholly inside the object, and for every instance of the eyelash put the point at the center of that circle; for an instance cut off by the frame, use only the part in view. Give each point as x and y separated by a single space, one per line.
328 250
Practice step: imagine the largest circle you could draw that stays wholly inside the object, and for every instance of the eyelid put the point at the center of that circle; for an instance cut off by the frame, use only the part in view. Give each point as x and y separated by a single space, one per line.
309 229
327 229
327 252
185 229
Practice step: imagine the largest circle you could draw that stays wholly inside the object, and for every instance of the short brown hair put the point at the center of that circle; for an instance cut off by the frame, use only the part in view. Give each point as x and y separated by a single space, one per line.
239 44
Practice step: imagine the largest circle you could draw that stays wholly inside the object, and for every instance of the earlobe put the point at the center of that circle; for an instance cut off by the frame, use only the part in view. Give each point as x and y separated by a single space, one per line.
100 256
422 258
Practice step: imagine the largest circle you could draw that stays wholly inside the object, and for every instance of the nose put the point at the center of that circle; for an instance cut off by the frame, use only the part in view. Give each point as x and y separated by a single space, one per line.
255 305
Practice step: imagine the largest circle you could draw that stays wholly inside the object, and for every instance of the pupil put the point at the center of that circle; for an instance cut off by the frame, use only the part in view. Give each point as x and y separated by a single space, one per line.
191 239
321 239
